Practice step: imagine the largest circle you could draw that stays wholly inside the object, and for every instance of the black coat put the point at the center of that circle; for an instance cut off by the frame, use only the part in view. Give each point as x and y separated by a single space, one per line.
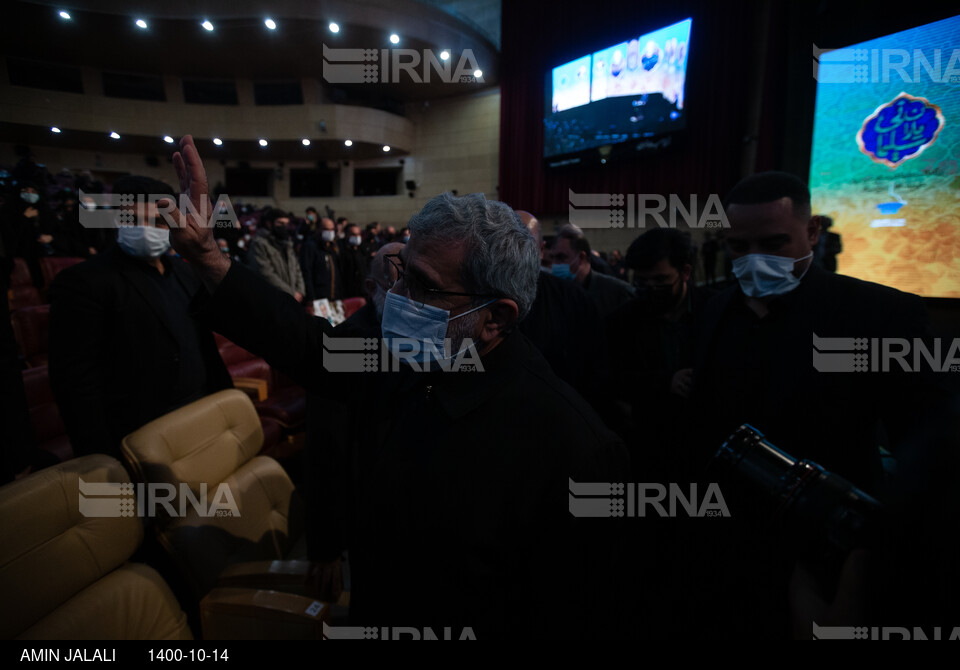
321 270
453 489
761 371
116 357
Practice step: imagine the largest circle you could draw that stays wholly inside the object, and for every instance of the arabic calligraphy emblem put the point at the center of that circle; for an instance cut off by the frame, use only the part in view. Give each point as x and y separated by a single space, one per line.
900 130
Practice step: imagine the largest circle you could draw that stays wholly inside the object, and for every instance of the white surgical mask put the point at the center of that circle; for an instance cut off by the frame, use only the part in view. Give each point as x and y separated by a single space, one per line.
355 240
763 275
425 326
31 198
327 235
143 241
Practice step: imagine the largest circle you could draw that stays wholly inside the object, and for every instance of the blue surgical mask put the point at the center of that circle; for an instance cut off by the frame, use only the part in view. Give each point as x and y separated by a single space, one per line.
143 241
32 198
424 324
763 275
561 270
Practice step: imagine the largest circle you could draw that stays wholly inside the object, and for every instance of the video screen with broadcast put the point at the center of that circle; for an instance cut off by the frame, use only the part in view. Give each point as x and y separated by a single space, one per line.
884 161
629 91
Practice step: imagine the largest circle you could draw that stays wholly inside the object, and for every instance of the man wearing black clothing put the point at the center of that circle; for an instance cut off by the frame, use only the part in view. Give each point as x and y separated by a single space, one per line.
353 262
123 348
566 327
320 261
754 366
458 512
652 339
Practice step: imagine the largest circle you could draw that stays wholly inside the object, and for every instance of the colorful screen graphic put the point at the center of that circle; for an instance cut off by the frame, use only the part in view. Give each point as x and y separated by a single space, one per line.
884 164
629 91
571 84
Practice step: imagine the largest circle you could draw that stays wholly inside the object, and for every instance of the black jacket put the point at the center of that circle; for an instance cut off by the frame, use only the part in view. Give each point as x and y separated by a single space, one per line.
321 270
762 371
118 353
454 486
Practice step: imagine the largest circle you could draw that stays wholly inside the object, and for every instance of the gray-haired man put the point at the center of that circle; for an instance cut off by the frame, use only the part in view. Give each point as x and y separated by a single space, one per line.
454 489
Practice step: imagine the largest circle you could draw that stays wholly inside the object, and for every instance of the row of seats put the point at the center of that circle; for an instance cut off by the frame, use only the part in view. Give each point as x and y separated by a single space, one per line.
69 537
22 292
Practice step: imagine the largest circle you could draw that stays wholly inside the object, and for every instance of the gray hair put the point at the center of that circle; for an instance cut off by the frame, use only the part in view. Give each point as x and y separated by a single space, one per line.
501 255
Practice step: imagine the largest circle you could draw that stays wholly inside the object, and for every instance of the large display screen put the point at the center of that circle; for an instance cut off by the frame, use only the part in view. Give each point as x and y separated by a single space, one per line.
884 162
629 91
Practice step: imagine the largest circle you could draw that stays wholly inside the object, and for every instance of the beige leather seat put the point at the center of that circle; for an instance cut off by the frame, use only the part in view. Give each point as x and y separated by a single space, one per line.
63 569
214 441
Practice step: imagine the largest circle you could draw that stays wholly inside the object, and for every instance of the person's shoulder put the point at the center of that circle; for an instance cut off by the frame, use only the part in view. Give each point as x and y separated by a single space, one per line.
98 266
861 293
613 283
564 412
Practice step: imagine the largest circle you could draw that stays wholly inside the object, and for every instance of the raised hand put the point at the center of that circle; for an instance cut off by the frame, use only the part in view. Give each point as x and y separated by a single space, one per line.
191 233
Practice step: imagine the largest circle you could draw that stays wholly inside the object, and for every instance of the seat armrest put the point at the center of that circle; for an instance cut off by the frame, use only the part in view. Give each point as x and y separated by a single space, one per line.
255 388
258 614
286 576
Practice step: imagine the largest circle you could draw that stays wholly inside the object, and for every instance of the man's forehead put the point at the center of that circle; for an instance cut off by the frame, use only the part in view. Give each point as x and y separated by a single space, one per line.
440 261
763 218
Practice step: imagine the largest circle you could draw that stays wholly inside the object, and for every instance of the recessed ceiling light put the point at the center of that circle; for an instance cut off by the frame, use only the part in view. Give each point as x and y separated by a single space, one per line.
115 135
306 142
386 147
65 15
54 129
444 55
141 24
348 143
263 143
207 25
217 141
478 73
334 28
271 24
394 39
168 139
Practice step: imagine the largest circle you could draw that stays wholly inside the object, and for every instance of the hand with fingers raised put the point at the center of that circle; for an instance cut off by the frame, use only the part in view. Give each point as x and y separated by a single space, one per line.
191 232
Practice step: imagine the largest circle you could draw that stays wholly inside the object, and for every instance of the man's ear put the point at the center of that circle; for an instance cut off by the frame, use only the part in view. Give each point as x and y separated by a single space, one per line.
814 228
503 316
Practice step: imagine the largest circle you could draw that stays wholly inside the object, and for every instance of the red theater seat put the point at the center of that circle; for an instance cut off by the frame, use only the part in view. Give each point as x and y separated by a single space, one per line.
284 403
31 328
48 428
52 265
19 297
20 275
351 305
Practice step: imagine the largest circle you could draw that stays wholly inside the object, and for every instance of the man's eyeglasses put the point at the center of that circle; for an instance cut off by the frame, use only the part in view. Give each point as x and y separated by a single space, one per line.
415 288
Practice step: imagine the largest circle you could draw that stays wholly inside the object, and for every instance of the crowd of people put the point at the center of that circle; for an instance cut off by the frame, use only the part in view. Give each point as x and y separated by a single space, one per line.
621 369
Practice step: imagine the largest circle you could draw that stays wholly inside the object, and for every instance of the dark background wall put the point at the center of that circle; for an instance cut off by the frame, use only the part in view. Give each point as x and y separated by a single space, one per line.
750 88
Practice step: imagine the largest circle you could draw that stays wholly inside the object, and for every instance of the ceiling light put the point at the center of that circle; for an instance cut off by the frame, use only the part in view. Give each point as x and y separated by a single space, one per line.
115 135
386 147
271 24
444 55
207 25
394 39
141 24
334 28
306 142
54 129
217 141
65 15
348 143
263 143
478 73
168 139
